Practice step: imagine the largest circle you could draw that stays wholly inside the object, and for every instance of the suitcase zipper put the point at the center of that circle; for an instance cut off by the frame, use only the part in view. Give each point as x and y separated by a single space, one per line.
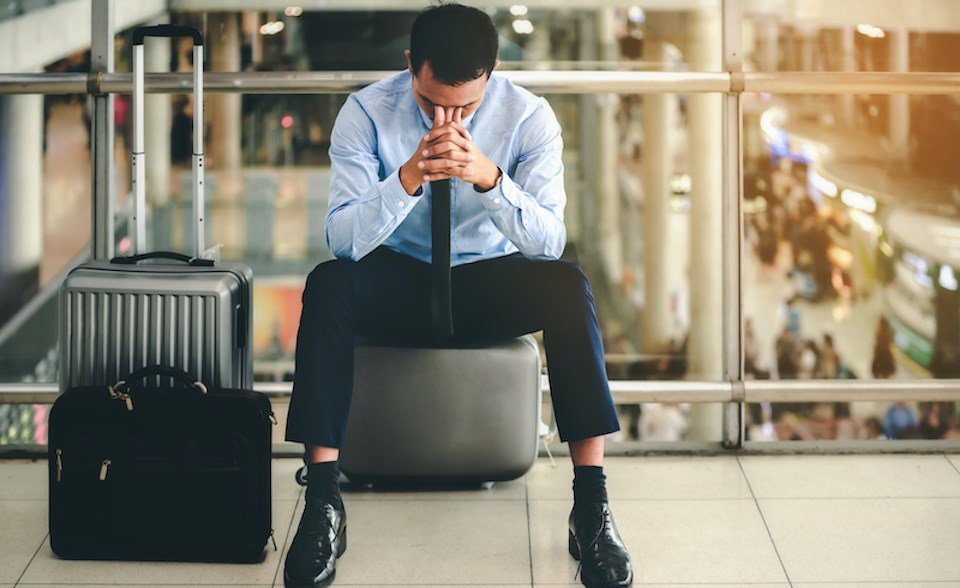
103 468
59 464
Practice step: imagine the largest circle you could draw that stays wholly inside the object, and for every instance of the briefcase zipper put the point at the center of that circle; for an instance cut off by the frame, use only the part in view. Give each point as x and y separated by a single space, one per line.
103 469
125 396
59 464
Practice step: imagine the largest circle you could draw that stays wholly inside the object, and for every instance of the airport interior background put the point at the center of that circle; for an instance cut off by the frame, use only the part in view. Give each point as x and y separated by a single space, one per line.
850 247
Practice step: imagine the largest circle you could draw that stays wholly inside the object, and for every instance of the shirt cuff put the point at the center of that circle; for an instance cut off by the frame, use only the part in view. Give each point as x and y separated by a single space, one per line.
503 195
395 198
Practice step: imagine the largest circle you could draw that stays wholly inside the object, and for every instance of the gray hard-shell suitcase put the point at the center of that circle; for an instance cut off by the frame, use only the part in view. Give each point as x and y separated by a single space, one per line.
158 308
454 414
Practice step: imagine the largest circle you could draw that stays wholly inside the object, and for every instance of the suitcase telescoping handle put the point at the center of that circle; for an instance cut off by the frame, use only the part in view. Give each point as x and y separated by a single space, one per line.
168 255
139 176
176 374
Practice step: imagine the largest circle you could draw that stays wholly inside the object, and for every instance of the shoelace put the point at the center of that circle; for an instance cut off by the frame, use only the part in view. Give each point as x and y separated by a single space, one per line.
589 545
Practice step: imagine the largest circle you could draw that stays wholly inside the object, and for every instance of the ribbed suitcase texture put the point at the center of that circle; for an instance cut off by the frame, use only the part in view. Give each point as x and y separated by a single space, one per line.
115 319
160 474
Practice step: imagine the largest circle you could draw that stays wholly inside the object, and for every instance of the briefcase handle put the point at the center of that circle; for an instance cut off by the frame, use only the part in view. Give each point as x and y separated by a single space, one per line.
176 374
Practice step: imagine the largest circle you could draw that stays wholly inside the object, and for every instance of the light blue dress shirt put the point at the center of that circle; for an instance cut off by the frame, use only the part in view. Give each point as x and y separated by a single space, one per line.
379 129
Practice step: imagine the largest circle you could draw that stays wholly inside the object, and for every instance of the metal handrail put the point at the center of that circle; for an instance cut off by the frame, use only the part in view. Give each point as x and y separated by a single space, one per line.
546 82
643 391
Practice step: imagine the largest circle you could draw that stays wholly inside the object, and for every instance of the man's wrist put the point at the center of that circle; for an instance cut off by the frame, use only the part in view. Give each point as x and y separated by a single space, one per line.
411 188
490 186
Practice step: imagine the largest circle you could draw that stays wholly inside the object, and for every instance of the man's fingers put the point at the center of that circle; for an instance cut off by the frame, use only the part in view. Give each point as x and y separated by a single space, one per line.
458 115
459 150
439 117
441 164
435 177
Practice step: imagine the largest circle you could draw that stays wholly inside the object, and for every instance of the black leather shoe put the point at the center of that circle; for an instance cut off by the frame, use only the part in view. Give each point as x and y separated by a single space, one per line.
321 538
596 544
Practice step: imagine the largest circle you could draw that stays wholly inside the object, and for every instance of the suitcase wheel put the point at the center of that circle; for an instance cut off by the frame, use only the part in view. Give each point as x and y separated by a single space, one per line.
301 476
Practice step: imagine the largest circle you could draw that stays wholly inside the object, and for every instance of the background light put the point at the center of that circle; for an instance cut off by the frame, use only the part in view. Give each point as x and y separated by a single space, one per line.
523 26
518 10
293 11
871 31
272 27
286 122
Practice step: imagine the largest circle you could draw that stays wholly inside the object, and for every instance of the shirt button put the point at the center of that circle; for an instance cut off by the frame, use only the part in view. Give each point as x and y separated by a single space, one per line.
496 201
401 203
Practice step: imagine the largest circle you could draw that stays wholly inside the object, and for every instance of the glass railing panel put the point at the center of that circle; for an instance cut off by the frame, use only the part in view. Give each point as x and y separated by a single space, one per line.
851 259
891 36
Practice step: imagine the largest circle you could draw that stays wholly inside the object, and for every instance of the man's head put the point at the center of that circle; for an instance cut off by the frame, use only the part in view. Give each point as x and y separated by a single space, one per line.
460 43
453 51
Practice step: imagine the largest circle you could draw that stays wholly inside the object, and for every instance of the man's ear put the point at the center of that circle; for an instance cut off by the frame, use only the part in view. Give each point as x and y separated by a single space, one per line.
406 53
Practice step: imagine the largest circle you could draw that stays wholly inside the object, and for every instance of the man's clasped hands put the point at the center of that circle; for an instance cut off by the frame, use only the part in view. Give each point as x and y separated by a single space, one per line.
448 151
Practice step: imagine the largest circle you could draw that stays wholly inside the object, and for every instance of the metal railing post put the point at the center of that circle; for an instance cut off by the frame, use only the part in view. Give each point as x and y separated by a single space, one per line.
731 218
101 133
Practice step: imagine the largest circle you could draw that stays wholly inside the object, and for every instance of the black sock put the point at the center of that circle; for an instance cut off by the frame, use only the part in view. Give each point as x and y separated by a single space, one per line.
323 483
589 485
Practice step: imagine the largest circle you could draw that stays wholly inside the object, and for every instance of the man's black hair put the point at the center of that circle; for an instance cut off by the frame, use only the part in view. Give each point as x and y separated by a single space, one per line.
460 43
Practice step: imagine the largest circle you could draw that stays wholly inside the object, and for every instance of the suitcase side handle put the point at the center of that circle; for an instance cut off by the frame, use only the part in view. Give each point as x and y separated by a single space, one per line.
169 255
168 31
176 374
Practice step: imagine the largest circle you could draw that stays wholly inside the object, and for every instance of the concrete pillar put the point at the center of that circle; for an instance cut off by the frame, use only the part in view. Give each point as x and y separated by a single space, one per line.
21 200
157 119
900 103
607 190
251 29
658 123
706 284
768 43
848 109
224 110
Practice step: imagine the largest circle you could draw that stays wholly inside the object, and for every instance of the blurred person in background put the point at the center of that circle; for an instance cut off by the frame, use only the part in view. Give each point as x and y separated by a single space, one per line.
934 424
828 365
900 422
883 365
807 360
786 349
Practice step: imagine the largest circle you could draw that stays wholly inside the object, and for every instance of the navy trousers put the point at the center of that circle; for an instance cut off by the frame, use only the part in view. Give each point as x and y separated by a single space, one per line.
386 295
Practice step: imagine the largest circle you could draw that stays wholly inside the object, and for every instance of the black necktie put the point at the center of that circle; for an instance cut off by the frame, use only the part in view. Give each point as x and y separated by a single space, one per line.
441 311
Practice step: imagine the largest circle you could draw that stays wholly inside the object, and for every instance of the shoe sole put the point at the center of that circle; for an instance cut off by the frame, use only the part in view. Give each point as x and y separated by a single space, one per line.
341 548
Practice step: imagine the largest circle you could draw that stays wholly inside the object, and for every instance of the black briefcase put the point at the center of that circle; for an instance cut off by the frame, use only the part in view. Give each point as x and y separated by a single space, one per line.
157 467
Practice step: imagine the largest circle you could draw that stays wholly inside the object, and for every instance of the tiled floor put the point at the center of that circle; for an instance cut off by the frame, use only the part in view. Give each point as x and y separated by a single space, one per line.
756 521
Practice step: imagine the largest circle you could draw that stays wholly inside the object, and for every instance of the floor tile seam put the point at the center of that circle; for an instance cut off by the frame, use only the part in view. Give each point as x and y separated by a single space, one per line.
766 526
952 464
617 500
286 540
886 582
858 498
526 494
43 542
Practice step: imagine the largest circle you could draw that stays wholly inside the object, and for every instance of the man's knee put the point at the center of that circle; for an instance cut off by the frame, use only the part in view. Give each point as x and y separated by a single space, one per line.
329 279
567 278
